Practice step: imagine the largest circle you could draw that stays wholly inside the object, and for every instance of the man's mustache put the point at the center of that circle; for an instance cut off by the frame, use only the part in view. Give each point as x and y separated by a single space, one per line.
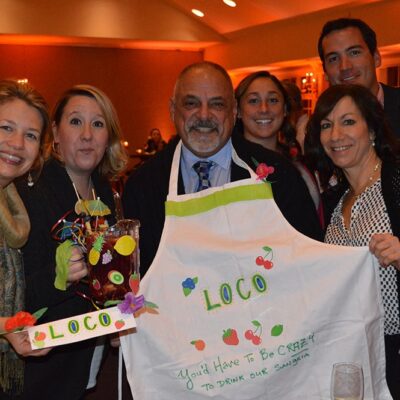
207 124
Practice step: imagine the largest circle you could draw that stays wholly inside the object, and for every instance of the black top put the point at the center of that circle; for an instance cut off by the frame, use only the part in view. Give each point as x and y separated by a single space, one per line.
64 372
392 108
147 188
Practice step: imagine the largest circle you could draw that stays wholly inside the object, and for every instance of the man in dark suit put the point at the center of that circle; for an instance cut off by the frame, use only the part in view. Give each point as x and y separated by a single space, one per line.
203 109
349 54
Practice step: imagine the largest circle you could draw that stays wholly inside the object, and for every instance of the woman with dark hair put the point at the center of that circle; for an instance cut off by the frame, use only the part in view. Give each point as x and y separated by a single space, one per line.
155 142
347 137
264 111
84 152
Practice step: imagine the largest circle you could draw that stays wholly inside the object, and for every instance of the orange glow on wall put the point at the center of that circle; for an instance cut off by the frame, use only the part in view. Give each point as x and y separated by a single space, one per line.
138 82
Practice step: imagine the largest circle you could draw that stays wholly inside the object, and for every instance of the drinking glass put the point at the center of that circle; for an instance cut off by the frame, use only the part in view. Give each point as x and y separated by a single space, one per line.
347 381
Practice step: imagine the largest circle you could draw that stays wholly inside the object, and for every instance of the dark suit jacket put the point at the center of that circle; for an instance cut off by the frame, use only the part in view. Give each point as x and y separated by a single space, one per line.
147 188
392 108
64 372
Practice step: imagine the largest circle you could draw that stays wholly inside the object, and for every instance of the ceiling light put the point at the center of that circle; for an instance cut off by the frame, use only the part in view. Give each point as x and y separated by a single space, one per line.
197 12
230 3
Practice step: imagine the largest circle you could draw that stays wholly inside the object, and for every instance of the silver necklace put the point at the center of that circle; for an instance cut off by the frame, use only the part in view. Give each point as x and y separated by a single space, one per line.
368 183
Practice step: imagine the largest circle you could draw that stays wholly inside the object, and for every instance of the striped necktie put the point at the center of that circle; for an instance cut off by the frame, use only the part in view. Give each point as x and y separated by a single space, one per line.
202 169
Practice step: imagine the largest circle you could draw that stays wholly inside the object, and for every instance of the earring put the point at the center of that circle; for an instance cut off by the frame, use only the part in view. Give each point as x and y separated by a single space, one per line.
30 180
53 146
372 140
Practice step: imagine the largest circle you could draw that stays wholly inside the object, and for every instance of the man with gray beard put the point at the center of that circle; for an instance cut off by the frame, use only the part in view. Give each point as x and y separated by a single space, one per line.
203 109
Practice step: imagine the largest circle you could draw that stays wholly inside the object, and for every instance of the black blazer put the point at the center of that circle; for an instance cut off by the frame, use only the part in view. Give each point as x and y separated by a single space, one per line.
147 188
64 372
392 108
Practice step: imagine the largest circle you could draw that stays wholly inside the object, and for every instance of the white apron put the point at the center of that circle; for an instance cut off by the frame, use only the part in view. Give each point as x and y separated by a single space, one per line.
248 308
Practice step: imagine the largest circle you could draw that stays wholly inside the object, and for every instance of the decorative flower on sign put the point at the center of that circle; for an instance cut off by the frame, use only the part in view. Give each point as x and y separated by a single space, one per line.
131 303
19 321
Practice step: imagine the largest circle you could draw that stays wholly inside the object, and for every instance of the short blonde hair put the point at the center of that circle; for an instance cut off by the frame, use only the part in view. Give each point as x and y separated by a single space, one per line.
115 158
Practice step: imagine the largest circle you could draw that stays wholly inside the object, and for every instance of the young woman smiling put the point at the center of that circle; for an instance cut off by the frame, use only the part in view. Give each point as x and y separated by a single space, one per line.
264 118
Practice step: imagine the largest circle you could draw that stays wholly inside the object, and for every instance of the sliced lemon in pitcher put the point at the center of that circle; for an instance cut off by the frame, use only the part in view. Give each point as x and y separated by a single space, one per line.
125 245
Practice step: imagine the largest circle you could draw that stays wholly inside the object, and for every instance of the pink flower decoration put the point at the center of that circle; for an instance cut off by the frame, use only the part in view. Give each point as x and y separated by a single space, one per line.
263 170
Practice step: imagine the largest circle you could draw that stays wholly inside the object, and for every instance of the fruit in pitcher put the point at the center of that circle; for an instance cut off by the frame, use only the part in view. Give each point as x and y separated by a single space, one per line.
116 277
125 245
230 337
134 283
94 256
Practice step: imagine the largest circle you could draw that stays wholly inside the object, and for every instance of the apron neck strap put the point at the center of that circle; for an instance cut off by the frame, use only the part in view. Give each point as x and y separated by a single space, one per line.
174 175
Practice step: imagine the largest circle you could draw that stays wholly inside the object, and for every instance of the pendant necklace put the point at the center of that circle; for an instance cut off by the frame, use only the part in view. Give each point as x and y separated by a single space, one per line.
80 206
367 184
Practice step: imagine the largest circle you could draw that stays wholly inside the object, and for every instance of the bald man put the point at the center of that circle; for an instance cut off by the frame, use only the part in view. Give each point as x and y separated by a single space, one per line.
203 110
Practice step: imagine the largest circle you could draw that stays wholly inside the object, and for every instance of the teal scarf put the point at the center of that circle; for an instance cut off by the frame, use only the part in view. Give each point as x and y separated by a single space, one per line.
14 230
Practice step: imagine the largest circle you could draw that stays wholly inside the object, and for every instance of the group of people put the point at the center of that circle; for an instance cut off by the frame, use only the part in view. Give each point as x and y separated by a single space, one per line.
351 144
78 155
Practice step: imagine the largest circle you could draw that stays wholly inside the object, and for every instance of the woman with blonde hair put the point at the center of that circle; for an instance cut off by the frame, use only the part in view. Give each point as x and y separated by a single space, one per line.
23 124
83 154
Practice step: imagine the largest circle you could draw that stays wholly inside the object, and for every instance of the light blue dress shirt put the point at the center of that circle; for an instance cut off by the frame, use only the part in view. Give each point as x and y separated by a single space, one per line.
220 172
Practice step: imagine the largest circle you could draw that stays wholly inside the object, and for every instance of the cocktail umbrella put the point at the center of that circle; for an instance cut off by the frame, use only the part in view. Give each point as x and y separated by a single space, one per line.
96 208
68 229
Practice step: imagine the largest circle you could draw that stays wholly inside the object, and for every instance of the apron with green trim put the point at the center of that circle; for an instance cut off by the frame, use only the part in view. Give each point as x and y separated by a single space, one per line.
240 306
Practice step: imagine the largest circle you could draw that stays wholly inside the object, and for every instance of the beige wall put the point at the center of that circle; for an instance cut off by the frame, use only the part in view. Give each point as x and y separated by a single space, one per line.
293 42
